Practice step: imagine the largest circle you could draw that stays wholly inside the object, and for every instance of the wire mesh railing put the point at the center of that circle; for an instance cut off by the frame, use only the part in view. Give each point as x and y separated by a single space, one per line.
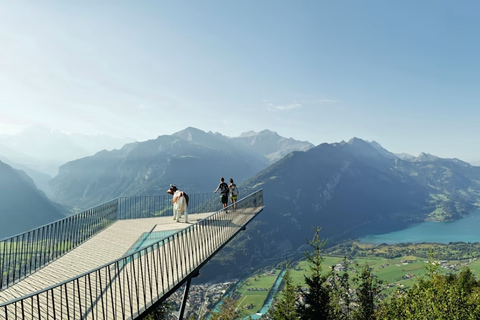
127 287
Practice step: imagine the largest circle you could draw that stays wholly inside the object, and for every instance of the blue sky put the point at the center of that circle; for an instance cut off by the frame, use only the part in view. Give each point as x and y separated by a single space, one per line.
403 73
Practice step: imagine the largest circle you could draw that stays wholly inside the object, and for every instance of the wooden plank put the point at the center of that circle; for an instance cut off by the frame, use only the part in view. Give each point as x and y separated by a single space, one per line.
126 288
109 245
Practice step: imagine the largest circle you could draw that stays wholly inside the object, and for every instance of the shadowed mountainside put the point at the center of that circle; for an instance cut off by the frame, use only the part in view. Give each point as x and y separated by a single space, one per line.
192 159
22 205
344 188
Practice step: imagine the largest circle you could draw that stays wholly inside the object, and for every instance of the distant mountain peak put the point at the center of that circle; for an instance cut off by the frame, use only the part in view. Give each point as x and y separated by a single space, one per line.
376 144
254 133
363 147
356 140
189 133
358 143
266 131
426 157
405 156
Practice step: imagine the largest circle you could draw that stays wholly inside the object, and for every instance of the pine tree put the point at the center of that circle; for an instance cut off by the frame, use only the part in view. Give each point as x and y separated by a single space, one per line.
367 294
340 293
285 308
466 281
316 304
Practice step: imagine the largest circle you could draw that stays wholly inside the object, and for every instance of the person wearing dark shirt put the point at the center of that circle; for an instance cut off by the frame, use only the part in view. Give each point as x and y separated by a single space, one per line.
224 190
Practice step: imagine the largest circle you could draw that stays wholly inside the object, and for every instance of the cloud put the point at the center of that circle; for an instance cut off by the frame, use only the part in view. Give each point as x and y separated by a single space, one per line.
297 104
285 107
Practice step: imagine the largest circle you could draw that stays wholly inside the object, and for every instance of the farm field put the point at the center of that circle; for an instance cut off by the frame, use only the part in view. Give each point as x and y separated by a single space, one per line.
394 272
254 291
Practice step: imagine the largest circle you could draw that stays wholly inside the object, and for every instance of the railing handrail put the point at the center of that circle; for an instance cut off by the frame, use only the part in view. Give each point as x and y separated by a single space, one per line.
51 241
144 277
130 256
82 212
56 221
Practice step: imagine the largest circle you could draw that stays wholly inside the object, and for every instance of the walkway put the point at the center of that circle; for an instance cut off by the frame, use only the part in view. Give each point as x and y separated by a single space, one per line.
126 269
109 245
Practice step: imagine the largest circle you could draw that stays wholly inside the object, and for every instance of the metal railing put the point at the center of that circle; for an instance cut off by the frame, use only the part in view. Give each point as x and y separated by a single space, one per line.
157 206
127 287
25 253
28 252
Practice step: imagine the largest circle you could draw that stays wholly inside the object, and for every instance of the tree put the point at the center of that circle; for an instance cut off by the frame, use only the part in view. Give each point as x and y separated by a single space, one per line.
285 307
227 310
340 293
435 297
466 281
367 294
316 304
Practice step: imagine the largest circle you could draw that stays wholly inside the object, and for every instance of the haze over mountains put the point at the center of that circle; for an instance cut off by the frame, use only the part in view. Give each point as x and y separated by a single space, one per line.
344 187
44 150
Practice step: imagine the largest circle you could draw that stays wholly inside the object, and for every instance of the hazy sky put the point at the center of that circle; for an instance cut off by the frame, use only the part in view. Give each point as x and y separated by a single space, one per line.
403 73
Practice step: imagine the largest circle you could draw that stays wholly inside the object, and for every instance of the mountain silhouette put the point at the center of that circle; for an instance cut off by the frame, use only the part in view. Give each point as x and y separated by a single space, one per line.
192 159
22 205
349 189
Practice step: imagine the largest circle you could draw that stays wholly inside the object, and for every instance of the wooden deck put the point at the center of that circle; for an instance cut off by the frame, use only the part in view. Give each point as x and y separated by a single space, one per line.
104 294
109 245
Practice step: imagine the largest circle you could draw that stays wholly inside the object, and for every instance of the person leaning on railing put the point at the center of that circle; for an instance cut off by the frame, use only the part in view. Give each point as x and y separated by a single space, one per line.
224 190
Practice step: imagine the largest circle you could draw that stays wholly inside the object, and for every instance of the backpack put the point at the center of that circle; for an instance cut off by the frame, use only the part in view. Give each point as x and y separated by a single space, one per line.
224 188
234 190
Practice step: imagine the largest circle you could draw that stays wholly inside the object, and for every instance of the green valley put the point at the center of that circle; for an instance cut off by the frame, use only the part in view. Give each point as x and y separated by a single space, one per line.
396 266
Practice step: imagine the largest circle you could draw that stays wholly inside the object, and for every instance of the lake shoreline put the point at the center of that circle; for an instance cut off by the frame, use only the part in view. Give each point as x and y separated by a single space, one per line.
460 230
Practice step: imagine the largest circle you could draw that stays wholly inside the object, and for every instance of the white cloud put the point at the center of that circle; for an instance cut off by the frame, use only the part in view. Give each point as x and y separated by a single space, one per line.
297 104
285 107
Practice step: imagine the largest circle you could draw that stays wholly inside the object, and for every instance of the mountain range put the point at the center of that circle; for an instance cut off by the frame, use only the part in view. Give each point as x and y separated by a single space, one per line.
346 188
349 189
192 159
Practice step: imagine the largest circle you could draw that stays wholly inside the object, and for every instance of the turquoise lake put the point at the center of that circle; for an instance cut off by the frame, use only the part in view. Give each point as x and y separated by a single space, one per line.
464 230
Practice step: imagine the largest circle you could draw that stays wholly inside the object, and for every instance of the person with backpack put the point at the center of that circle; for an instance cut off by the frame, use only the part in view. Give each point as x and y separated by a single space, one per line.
233 194
224 190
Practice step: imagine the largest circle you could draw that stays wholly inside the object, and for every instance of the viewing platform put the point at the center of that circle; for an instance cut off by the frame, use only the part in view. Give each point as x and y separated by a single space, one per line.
116 261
